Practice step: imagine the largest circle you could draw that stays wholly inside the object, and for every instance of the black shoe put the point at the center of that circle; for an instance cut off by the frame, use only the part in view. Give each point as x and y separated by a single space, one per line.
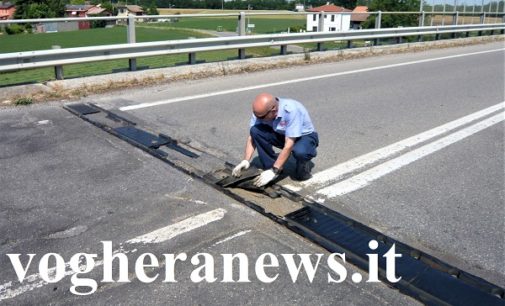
303 169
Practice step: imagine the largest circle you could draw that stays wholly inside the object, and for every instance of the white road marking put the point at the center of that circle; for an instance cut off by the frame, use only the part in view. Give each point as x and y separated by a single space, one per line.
294 188
225 92
176 229
242 233
31 282
364 178
337 172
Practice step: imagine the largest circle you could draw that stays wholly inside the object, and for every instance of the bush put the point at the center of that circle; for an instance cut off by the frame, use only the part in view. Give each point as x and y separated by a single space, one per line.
14 29
297 29
98 24
29 28
24 101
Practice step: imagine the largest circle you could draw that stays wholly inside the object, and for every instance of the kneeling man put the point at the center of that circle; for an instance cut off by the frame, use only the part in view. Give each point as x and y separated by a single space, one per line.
285 124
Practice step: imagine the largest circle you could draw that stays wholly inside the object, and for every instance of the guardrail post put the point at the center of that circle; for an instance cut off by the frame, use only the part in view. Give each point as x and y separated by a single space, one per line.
320 28
377 26
241 32
284 49
241 24
399 40
503 20
482 19
192 58
58 69
349 44
421 24
320 24
455 22
132 62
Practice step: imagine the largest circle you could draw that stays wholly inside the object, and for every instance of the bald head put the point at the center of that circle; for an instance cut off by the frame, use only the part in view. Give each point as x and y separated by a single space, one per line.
263 103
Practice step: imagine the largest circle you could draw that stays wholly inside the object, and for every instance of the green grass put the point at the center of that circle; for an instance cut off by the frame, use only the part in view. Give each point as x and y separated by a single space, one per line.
262 24
144 33
23 101
28 42
97 68
92 37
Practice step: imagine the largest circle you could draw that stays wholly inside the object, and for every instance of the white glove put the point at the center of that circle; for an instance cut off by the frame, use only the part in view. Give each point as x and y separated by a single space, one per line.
244 165
264 178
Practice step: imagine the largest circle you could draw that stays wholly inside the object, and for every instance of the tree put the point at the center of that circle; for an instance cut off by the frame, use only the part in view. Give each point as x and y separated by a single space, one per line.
26 9
348 4
152 9
390 20
109 7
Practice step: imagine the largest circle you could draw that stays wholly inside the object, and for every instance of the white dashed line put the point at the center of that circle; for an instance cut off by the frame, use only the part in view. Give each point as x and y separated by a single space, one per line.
31 282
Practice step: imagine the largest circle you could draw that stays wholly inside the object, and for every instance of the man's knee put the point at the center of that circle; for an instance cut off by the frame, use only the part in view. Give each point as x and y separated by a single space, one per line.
303 153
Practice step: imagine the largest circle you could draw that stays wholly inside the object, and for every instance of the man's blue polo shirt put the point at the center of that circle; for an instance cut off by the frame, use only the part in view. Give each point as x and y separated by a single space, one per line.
292 119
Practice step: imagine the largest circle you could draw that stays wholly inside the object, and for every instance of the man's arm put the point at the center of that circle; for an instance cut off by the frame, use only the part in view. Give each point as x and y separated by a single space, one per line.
286 151
249 149
244 164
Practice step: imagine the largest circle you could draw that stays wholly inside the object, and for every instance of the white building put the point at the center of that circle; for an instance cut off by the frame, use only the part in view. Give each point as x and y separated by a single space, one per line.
336 18
299 7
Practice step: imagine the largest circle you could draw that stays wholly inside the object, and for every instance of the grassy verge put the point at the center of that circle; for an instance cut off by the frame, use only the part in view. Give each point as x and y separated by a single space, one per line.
96 68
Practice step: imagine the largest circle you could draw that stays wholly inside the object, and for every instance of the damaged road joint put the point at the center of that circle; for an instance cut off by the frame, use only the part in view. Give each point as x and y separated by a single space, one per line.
423 277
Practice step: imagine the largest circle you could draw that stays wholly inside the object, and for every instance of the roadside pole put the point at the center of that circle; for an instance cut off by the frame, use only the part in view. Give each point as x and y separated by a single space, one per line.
241 32
132 62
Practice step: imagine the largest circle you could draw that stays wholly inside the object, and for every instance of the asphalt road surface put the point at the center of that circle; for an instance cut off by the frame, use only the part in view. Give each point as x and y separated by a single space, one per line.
411 145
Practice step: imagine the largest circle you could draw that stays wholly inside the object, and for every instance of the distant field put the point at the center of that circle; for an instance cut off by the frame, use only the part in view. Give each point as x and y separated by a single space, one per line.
28 42
261 24
92 37
165 11
447 20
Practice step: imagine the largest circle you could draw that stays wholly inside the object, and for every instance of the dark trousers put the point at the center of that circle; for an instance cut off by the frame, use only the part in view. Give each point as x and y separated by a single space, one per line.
264 137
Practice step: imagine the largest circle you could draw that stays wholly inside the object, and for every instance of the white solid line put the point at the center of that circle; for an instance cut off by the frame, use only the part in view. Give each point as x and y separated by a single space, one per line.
31 282
176 229
363 179
225 92
336 172
242 233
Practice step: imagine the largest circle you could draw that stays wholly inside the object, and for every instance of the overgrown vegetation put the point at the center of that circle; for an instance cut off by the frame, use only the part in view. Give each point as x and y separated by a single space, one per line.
23 101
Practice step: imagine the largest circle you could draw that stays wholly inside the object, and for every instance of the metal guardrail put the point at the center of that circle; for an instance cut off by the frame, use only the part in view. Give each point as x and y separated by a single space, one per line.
58 57
248 14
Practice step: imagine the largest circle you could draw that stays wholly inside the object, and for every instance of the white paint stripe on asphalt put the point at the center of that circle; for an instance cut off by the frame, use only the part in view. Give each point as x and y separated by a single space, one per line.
337 172
176 229
242 233
225 92
364 178
8 290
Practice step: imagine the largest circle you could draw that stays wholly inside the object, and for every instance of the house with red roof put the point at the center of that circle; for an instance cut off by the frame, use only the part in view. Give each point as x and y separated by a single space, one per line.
7 10
359 15
127 10
85 10
336 18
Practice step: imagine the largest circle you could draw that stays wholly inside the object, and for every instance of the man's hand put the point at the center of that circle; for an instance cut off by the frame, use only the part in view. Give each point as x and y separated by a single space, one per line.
264 178
237 171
